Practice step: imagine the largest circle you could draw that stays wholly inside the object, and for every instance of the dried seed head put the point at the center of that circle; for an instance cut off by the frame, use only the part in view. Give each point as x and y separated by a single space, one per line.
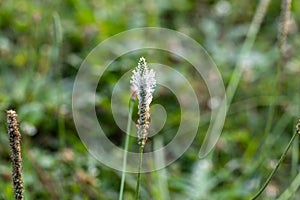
283 26
15 147
143 83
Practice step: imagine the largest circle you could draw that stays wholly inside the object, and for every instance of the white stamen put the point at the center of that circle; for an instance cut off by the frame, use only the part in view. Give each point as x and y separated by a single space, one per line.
143 83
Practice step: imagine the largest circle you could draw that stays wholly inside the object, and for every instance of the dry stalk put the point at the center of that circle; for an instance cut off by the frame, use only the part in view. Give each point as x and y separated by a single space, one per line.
15 147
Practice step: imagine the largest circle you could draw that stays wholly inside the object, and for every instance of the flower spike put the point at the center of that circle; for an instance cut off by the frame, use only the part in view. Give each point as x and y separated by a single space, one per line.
143 83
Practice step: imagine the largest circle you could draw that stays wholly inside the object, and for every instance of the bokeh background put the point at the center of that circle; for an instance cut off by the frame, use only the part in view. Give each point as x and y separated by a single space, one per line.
42 44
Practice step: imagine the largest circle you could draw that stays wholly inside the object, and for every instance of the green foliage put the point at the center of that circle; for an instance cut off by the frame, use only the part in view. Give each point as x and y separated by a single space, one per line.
42 44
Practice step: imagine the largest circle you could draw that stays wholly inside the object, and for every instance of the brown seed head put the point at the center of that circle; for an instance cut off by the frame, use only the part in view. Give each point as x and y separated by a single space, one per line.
15 147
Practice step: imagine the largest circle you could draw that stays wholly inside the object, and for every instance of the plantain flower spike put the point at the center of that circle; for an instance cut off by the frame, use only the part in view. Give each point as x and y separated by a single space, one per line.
143 83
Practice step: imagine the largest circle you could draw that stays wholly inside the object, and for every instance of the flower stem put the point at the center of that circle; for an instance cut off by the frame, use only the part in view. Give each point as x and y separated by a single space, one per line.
131 104
137 191
277 166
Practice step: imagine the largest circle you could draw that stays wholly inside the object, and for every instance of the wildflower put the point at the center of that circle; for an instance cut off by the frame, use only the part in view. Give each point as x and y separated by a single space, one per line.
143 83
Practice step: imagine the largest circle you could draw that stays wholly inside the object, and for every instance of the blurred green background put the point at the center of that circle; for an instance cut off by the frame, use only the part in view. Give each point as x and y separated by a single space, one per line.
42 44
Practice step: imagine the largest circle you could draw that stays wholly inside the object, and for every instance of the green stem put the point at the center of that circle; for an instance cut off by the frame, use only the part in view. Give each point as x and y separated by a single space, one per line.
238 70
137 191
56 62
276 91
276 167
246 48
131 104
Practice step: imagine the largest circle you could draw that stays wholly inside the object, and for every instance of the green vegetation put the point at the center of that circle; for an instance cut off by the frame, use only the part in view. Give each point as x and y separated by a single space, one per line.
43 43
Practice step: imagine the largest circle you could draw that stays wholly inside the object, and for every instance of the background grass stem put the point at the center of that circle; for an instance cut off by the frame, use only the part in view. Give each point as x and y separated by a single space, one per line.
276 167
